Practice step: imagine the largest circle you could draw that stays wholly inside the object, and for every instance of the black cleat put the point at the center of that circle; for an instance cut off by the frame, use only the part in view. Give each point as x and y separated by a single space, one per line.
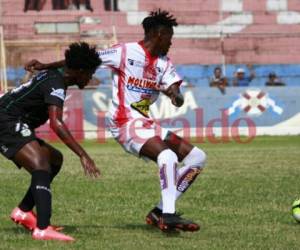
171 222
154 216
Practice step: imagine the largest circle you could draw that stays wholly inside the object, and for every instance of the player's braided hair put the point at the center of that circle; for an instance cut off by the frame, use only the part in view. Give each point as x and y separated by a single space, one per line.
158 18
82 56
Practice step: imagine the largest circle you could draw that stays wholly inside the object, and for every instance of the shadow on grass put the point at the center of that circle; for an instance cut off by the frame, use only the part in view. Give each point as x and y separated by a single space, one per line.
78 229
134 227
148 229
293 223
16 230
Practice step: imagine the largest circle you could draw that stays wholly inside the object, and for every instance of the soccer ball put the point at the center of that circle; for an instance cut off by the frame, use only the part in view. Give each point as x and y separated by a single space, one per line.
296 210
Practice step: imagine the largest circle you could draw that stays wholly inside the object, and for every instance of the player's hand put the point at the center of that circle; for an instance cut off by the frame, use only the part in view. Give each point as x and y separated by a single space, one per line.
89 166
34 65
177 100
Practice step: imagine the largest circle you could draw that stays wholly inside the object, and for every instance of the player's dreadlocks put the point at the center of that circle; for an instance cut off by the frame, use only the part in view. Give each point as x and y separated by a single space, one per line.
82 56
158 18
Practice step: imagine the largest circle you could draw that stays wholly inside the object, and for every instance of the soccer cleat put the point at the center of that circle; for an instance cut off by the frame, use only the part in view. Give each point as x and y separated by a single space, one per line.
153 216
26 219
50 234
170 222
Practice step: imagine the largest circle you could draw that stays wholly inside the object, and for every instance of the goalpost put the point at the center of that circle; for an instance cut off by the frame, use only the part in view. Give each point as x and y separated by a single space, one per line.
3 76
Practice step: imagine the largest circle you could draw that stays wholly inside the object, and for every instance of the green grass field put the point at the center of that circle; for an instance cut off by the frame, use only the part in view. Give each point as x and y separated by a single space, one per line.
242 200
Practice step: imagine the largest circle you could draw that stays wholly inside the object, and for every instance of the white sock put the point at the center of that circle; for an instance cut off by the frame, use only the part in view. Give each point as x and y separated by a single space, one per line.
194 163
181 171
167 161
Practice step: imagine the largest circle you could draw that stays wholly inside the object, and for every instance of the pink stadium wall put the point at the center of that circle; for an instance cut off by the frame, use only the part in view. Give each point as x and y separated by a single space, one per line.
261 31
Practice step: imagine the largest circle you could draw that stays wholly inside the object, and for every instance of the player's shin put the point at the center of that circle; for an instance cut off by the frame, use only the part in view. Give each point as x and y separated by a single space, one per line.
167 162
193 165
194 162
27 202
40 187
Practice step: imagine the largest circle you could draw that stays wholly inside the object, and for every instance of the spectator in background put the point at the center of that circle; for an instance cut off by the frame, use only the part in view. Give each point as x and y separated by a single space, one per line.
32 5
59 4
85 3
109 7
218 80
240 79
273 80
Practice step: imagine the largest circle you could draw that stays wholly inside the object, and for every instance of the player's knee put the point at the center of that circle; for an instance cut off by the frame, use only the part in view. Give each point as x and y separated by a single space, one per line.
56 165
195 158
166 156
57 158
39 163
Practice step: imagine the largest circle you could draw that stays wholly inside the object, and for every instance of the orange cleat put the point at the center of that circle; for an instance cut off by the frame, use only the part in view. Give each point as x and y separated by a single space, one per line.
50 234
28 219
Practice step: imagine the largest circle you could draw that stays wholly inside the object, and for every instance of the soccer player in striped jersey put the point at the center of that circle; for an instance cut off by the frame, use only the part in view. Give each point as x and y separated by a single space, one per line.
141 71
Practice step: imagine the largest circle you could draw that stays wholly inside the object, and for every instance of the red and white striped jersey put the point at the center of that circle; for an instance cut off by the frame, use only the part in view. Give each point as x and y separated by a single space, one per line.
137 79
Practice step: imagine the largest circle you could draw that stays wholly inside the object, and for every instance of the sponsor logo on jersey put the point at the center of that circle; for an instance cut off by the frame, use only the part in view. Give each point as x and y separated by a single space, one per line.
142 106
25 132
23 128
142 85
107 52
60 93
159 69
41 75
21 87
4 148
135 63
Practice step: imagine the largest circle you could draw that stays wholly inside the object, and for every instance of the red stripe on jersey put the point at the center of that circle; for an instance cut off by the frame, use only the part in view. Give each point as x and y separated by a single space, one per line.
150 61
121 116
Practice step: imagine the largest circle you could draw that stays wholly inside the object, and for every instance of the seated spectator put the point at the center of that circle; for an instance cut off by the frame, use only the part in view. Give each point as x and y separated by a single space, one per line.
218 80
240 79
59 4
33 5
273 80
111 5
85 4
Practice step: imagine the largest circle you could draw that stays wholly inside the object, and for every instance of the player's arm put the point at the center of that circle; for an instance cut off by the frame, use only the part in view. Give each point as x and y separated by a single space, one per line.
59 127
173 92
37 65
110 57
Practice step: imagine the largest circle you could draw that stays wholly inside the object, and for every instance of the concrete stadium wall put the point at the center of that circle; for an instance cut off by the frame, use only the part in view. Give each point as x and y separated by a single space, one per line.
257 32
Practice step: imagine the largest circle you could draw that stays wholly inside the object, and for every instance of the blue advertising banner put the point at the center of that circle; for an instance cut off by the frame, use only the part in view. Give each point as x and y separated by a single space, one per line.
266 110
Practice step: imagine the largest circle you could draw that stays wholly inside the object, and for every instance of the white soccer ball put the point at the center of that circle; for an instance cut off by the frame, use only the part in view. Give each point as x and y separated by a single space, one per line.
296 210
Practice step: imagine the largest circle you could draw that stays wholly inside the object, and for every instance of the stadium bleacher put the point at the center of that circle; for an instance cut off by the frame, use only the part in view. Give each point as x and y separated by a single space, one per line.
264 33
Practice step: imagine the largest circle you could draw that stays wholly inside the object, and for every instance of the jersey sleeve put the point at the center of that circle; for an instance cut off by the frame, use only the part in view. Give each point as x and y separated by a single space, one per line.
53 91
170 76
111 57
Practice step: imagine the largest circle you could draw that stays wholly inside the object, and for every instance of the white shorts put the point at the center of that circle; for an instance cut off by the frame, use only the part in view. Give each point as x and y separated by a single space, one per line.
135 133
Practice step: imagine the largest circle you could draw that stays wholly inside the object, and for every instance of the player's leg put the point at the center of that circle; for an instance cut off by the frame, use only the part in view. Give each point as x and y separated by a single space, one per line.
56 159
193 159
158 151
39 167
